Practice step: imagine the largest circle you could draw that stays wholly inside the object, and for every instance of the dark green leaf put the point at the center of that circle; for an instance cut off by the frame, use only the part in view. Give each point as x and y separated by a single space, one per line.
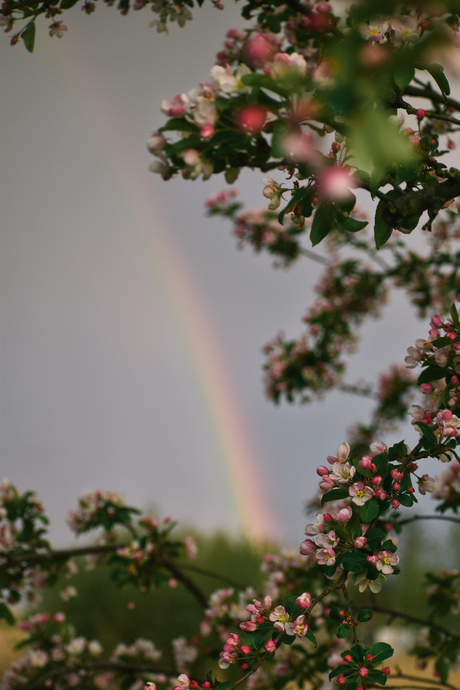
355 561
179 124
350 224
404 72
323 223
369 510
224 686
382 231
454 315
428 434
28 36
309 635
67 4
298 196
431 373
6 614
364 615
334 495
381 651
437 72
343 630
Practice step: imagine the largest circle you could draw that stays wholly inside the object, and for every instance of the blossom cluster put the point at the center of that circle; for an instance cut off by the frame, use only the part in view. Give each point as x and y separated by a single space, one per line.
347 293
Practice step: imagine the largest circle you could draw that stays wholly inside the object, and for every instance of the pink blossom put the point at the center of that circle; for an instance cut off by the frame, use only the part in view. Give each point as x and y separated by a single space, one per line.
360 493
325 556
307 547
387 559
304 600
334 183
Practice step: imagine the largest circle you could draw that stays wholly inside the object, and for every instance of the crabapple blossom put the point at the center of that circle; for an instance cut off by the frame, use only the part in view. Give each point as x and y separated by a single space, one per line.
360 493
386 559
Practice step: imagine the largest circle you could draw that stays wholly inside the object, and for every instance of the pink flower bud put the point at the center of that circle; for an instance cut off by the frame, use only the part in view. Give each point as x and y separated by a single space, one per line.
363 671
270 646
360 542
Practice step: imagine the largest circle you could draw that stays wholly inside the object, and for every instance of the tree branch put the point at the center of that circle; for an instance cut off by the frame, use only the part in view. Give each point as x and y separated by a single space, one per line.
413 619
396 211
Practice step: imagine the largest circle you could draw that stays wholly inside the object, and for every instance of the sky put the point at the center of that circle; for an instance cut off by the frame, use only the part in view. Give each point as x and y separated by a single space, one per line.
131 328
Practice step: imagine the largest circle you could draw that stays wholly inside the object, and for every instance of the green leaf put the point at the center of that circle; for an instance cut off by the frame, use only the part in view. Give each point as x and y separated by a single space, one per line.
334 613
309 635
179 124
225 685
404 72
6 614
381 651
334 495
67 4
364 615
369 510
428 434
343 630
454 315
355 561
406 500
298 196
437 72
28 36
350 224
338 670
432 373
323 223
382 231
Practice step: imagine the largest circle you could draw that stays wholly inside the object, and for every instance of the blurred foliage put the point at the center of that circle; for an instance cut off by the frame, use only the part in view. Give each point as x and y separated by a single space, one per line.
114 615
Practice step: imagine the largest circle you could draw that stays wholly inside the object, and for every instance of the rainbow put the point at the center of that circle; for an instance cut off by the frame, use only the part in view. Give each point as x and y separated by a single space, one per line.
172 271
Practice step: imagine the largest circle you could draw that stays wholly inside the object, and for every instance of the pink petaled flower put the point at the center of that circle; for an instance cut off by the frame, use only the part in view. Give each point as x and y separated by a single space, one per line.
426 484
387 559
328 541
304 600
363 671
57 29
374 585
248 626
307 547
342 454
360 493
360 542
343 515
342 472
270 646
279 618
300 628
325 556
176 107
334 183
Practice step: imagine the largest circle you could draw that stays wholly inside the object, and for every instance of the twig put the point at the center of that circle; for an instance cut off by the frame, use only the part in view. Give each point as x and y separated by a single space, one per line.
413 619
449 518
215 576
186 581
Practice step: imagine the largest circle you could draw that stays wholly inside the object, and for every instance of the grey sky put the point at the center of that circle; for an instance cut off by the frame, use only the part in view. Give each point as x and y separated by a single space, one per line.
100 386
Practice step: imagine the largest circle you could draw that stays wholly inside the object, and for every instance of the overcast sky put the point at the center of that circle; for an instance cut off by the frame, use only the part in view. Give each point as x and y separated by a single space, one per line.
131 328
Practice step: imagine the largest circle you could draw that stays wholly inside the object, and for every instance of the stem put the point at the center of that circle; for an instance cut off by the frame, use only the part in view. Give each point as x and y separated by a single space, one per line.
432 95
413 619
186 581
423 680
347 599
215 576
449 518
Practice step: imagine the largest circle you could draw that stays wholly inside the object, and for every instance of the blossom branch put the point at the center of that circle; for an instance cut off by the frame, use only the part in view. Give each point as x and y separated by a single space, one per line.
413 619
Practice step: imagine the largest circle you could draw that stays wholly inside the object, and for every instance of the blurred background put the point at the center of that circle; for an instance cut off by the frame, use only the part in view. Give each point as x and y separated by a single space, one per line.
131 328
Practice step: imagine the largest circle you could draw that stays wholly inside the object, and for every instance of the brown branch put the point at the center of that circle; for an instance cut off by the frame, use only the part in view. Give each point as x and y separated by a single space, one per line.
419 679
449 518
215 576
186 581
396 211
432 95
413 619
